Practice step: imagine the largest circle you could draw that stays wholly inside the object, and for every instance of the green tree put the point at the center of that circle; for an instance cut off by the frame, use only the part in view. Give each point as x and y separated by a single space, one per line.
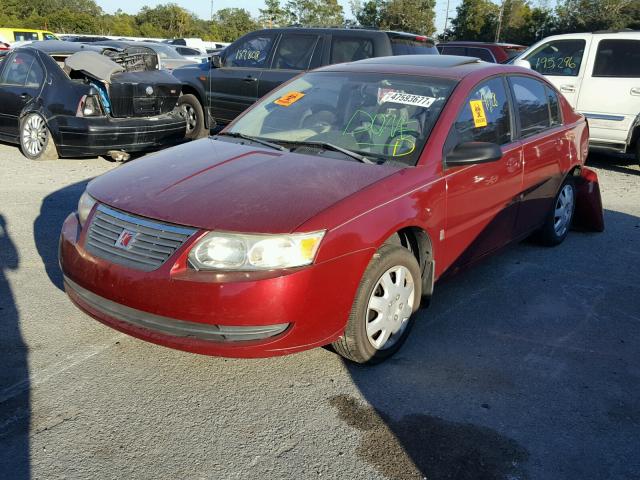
230 23
590 15
273 15
413 16
368 13
475 20
317 13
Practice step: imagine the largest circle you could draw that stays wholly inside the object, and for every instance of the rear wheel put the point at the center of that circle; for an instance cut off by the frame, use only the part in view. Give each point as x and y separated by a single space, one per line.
558 223
36 142
380 319
191 110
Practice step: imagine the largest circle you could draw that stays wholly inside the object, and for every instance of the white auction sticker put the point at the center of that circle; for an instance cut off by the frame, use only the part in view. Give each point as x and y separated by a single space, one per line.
408 99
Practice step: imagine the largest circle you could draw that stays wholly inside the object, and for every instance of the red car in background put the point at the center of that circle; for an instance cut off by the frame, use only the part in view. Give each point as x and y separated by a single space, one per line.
327 211
487 51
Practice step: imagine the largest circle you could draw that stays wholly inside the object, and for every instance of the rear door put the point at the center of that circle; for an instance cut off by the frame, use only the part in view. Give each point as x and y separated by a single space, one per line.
234 87
563 62
20 83
546 149
482 199
610 93
295 53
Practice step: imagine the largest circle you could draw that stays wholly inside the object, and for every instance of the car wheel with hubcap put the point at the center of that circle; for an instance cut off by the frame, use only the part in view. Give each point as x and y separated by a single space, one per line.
191 110
36 142
558 223
380 319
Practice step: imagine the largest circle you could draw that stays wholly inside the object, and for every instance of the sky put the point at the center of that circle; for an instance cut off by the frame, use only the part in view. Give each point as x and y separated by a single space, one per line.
202 8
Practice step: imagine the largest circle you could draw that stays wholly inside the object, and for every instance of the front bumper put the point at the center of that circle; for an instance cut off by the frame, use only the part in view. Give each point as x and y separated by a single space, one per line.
78 136
234 315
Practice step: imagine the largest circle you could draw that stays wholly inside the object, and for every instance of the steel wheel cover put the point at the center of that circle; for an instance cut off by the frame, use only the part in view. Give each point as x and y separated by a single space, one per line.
564 210
390 306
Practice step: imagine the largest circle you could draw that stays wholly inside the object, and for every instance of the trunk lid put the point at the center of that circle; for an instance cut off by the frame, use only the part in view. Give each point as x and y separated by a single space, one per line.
143 94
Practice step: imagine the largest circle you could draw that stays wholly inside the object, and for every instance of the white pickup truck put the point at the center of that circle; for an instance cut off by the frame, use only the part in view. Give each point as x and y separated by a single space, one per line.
599 74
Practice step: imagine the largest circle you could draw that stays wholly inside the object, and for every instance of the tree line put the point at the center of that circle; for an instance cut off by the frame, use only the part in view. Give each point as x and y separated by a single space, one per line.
519 21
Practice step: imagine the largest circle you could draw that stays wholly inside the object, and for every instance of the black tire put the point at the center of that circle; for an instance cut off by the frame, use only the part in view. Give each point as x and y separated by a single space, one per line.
637 151
192 111
355 344
551 234
36 142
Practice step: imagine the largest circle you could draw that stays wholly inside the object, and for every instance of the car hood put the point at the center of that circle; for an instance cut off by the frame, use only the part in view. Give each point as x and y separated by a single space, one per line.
212 184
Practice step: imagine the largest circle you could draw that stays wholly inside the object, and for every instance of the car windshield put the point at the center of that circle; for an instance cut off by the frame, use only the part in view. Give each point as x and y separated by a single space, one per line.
380 116
165 51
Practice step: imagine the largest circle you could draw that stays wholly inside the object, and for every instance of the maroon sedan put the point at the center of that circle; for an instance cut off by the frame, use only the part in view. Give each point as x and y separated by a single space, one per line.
326 213
487 51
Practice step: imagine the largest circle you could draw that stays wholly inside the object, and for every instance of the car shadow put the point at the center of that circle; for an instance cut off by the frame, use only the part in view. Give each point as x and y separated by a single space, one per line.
523 367
15 410
620 163
46 229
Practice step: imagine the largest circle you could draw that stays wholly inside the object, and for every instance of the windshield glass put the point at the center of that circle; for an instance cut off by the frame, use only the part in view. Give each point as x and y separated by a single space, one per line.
164 51
383 117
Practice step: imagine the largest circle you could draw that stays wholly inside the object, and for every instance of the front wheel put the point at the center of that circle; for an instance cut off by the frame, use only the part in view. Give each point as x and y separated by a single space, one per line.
558 223
36 141
191 110
380 319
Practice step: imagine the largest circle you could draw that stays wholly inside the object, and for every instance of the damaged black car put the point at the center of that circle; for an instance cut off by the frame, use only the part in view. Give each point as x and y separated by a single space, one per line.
71 100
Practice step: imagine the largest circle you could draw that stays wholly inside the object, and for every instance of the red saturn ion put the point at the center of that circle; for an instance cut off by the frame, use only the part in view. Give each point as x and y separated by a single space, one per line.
326 213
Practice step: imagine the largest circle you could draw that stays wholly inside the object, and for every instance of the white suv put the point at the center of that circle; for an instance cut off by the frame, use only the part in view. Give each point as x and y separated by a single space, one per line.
599 74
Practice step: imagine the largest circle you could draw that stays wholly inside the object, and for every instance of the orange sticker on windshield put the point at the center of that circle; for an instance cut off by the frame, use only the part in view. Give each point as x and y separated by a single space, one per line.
289 98
477 110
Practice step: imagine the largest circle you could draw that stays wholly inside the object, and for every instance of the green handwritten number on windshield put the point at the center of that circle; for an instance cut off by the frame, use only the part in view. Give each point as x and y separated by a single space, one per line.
553 63
385 127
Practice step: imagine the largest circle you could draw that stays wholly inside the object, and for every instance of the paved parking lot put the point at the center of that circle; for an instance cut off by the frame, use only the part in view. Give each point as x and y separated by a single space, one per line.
524 368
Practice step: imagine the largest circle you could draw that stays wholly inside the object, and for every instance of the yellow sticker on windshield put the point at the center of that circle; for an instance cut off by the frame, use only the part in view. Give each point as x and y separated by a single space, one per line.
289 99
477 110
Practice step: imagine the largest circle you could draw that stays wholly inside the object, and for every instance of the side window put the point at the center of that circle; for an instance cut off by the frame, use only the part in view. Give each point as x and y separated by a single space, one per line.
251 52
532 105
561 58
17 69
617 58
454 51
554 107
294 52
36 75
412 46
481 53
485 116
25 36
350 49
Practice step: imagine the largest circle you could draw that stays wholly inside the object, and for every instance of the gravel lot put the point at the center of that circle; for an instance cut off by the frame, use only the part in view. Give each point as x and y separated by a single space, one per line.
525 367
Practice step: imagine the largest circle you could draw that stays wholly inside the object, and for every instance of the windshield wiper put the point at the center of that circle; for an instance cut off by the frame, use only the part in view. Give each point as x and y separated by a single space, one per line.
254 139
335 148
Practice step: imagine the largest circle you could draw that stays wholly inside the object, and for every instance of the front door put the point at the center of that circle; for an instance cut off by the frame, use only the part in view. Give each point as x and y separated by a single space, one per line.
20 83
482 199
234 87
563 62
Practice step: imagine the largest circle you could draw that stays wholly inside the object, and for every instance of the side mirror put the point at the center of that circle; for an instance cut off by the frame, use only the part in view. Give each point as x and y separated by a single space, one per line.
522 63
216 61
470 153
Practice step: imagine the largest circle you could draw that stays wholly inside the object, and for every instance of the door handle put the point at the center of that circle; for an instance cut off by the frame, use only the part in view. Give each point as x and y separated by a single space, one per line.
567 88
249 79
635 91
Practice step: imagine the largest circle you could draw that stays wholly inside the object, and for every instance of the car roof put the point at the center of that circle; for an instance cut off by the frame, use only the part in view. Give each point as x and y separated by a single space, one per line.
60 47
449 66
348 31
488 44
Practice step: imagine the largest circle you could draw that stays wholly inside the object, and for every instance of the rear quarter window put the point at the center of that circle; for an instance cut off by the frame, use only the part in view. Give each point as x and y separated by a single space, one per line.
350 49
25 36
409 46
617 58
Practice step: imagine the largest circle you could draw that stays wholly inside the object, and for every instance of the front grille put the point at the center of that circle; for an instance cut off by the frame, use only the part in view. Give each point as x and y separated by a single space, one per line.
150 244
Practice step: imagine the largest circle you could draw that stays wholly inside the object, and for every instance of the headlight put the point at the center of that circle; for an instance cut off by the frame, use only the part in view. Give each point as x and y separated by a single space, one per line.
231 251
85 204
